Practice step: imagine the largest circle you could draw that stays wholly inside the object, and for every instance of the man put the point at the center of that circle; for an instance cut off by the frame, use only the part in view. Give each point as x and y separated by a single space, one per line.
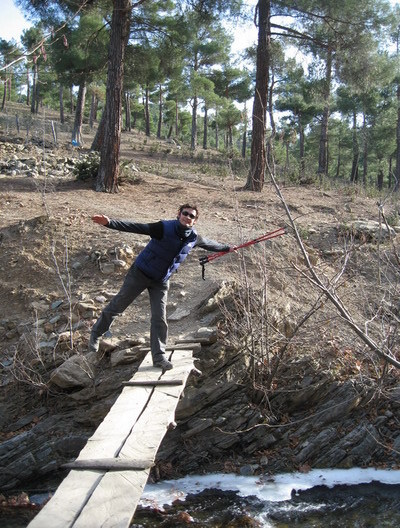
170 243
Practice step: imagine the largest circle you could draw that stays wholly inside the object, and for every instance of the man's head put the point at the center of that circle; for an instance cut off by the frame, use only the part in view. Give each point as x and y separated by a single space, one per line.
188 214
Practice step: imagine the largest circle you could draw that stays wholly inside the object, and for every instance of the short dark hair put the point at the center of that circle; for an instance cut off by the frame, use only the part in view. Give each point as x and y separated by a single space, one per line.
189 206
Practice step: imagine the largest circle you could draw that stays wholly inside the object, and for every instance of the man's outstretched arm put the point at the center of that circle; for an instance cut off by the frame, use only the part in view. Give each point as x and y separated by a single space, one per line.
154 230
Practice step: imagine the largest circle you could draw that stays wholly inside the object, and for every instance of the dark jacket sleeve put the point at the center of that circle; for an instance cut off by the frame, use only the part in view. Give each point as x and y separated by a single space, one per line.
154 230
211 245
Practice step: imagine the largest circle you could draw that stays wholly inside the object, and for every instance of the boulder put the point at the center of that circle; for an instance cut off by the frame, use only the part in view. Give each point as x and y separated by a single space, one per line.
77 371
371 230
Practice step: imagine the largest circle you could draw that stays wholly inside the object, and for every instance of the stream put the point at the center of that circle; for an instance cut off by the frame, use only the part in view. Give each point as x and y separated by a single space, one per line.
353 498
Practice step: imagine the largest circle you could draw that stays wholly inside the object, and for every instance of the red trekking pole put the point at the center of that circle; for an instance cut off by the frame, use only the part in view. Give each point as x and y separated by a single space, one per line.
208 258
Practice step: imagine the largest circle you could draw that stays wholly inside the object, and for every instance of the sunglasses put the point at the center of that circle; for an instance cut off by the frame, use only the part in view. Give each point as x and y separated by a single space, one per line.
190 215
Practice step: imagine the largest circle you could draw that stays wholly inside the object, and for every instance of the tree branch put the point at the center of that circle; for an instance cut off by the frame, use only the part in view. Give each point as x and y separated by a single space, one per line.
328 292
292 33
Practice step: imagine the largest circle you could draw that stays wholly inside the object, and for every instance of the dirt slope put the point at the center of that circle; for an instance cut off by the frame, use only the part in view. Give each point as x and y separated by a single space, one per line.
50 247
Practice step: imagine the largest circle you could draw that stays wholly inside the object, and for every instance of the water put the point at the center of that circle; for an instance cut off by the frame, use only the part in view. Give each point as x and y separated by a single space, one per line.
362 506
356 498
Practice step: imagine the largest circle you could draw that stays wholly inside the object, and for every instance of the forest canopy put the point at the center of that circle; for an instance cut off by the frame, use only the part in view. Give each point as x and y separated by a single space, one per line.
316 96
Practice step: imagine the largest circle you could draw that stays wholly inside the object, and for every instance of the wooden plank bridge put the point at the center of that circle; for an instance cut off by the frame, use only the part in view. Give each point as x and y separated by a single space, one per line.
107 479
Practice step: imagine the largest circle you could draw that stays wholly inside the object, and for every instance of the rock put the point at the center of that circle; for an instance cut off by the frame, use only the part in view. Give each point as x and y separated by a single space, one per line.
345 399
222 295
77 371
371 230
209 393
126 356
76 265
248 470
316 444
12 334
47 344
109 295
87 310
101 299
83 307
39 306
394 396
396 444
197 425
205 334
136 340
48 328
180 313
107 268
108 344
119 263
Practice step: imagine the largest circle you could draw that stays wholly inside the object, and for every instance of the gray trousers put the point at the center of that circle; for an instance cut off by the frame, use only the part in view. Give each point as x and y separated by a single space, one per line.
134 284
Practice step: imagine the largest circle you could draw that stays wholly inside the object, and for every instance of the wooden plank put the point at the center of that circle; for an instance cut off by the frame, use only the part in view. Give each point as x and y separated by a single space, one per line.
93 498
73 493
195 346
114 500
109 464
152 383
116 496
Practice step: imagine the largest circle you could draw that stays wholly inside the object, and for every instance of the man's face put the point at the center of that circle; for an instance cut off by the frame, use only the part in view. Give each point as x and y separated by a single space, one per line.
187 217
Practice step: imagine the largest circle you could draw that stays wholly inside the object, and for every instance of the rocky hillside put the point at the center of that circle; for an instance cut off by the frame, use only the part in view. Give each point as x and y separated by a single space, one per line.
286 382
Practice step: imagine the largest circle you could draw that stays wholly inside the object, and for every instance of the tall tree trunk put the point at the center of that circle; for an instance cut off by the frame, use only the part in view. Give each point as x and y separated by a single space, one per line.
323 142
128 124
71 100
193 141
255 178
176 117
34 88
28 88
205 128
80 105
270 142
356 152
287 157
147 111
3 103
134 119
160 113
98 139
379 182
107 178
339 159
61 101
37 97
397 169
230 136
216 130
94 102
365 151
244 137
301 145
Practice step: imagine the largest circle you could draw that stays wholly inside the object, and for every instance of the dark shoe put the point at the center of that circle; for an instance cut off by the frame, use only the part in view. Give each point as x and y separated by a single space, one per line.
163 364
94 343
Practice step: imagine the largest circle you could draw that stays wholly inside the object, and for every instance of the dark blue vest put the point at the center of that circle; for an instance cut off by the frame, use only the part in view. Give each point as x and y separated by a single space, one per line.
160 258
